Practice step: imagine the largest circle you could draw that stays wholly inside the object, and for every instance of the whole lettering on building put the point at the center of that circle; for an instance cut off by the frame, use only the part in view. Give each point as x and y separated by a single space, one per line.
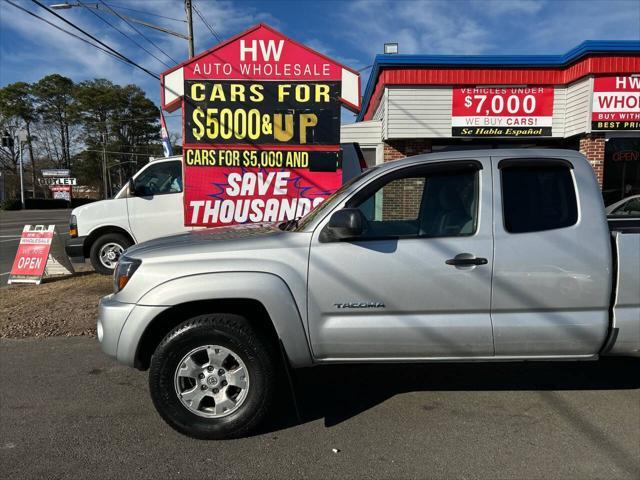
616 103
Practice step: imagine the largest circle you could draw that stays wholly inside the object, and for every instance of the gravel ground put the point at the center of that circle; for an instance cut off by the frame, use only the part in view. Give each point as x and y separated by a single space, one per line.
60 307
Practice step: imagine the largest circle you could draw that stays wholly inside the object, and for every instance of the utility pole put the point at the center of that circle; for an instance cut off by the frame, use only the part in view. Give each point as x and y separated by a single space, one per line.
104 166
20 136
187 9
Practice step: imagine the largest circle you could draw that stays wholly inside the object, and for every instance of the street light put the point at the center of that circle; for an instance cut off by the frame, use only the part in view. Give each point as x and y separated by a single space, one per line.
96 6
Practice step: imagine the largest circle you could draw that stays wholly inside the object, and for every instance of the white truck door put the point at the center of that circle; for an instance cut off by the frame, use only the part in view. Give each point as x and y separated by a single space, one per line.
155 208
417 283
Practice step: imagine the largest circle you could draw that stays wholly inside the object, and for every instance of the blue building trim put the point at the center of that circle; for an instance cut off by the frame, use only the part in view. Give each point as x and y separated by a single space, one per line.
589 47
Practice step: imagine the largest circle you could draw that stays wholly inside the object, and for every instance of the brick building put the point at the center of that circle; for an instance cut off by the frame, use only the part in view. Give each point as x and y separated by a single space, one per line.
587 99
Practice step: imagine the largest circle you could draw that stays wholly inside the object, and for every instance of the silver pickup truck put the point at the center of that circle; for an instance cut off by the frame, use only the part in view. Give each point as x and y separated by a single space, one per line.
501 255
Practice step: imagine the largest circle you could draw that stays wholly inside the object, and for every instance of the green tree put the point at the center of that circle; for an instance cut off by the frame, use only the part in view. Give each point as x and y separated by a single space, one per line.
56 104
17 105
119 121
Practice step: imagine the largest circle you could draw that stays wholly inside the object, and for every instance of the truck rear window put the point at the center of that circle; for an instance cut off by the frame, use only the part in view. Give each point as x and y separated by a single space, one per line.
537 198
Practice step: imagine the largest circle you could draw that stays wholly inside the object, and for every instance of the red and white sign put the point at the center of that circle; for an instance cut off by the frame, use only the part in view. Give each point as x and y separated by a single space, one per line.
616 103
502 112
260 53
61 192
261 128
33 252
254 195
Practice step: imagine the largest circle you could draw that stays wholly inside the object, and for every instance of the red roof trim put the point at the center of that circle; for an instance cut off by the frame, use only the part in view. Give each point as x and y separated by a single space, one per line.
592 65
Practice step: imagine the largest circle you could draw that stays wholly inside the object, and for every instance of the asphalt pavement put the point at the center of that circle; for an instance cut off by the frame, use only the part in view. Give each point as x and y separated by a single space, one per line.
68 411
11 225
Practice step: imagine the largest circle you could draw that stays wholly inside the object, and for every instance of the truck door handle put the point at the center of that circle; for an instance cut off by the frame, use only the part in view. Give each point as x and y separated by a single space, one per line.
465 260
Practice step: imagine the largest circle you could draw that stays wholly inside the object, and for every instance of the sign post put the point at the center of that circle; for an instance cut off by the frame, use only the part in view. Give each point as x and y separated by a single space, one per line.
261 128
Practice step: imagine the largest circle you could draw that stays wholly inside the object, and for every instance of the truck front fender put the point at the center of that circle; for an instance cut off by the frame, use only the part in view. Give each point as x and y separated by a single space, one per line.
268 289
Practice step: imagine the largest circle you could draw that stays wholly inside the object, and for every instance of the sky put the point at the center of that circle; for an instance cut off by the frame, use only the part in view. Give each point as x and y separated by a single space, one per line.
351 32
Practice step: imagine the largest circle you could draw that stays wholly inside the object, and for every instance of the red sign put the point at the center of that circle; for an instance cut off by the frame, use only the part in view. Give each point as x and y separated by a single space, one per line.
225 196
502 112
33 252
61 192
261 128
616 103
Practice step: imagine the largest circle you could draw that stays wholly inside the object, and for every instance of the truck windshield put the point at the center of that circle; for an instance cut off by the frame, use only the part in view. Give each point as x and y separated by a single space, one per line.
299 225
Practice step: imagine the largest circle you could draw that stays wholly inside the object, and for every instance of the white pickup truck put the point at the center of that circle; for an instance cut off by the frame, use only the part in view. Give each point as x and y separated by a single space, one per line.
149 206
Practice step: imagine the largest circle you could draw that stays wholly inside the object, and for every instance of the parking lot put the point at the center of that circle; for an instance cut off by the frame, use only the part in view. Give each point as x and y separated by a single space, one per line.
70 412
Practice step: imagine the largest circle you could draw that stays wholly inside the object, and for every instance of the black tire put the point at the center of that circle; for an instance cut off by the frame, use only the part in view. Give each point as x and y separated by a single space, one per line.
230 331
94 253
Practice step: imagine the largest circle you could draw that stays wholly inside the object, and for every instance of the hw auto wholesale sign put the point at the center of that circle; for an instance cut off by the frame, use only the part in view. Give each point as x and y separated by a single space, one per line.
502 112
616 103
261 128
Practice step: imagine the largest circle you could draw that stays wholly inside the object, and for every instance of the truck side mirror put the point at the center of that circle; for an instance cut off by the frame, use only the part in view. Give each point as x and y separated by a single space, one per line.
132 187
344 224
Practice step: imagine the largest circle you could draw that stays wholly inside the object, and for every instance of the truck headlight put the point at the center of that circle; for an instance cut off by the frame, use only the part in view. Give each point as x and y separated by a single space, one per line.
124 271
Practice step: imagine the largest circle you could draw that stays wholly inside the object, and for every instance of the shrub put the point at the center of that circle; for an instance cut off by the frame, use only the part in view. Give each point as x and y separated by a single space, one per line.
76 202
10 204
45 203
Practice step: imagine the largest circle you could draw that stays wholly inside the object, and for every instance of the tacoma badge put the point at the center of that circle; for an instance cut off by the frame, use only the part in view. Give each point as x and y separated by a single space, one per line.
359 305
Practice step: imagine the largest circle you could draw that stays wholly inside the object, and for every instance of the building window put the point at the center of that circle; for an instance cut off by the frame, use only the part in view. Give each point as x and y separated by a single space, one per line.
369 155
621 169
538 198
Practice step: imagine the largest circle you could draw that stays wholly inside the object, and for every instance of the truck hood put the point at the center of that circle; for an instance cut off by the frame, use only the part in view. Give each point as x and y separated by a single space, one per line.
236 237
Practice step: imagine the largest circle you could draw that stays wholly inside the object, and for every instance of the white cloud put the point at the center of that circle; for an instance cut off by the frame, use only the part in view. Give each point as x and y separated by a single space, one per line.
417 26
502 7
478 27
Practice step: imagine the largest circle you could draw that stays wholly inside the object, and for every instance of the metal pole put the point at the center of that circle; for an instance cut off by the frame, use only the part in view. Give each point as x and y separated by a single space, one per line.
187 9
21 179
104 166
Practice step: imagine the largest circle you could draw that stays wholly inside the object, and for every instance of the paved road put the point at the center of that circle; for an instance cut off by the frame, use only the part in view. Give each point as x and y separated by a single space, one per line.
11 225
67 411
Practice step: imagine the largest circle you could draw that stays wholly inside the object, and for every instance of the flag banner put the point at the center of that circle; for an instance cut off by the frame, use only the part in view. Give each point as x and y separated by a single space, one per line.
166 143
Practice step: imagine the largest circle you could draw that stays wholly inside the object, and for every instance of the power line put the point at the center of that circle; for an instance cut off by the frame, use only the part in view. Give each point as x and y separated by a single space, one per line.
123 120
121 153
100 42
213 32
149 13
139 32
66 31
123 33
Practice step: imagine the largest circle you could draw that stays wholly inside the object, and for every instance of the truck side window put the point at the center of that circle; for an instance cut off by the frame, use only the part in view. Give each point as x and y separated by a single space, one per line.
537 198
429 205
158 179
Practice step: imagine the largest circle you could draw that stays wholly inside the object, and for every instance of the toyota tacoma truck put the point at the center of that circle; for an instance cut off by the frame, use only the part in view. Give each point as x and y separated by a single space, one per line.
502 255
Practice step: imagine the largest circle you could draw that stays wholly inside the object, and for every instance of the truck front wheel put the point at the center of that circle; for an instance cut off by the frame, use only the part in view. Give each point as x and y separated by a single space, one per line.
106 250
212 377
